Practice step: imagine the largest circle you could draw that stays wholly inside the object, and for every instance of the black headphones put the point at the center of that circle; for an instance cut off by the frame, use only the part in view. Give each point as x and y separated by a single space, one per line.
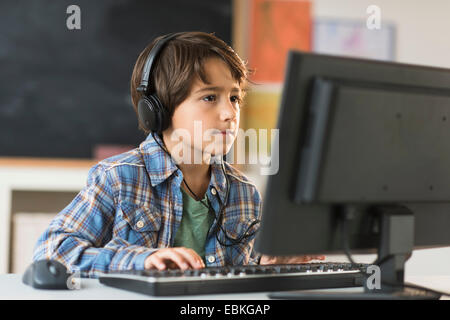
153 116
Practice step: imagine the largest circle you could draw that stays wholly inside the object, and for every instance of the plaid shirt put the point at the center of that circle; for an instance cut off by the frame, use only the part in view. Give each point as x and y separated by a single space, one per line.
132 205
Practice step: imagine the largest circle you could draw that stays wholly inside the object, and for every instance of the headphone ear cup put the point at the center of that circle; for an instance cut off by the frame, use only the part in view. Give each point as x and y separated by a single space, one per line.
161 113
147 114
152 114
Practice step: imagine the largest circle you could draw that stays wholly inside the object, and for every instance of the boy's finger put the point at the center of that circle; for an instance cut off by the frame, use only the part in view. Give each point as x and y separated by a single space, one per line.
156 262
191 256
178 259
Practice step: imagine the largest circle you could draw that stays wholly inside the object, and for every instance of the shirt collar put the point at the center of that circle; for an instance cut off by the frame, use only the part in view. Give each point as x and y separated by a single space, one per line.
161 166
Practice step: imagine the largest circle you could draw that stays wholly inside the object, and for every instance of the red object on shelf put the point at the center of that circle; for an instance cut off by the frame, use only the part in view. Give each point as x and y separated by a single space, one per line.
103 151
277 26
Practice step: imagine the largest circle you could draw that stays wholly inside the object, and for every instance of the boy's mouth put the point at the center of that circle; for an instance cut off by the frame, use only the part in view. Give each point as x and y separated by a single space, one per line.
225 132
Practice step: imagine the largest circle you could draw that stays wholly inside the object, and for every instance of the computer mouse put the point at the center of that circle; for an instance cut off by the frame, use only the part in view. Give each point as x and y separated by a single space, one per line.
46 274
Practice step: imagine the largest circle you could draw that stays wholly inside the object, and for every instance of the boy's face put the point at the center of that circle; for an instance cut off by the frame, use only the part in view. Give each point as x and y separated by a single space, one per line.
207 121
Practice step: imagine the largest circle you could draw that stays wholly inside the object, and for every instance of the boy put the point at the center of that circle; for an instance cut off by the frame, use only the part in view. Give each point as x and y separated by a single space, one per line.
158 206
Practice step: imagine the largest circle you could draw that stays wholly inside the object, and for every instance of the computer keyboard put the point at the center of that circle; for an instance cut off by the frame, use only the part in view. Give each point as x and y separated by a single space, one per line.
236 279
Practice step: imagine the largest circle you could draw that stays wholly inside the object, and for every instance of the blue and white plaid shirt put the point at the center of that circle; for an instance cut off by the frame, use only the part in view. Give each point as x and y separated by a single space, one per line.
132 205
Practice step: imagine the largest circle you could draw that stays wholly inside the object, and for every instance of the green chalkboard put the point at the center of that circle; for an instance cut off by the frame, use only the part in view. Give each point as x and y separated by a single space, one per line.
64 91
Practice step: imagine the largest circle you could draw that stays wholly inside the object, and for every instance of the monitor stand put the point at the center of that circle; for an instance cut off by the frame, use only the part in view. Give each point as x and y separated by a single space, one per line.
395 248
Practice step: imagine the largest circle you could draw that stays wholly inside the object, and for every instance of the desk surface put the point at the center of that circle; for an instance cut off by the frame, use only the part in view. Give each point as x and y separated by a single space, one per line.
11 287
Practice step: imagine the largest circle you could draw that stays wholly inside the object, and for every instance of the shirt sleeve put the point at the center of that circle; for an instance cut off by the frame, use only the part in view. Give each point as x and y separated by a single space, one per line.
81 235
255 258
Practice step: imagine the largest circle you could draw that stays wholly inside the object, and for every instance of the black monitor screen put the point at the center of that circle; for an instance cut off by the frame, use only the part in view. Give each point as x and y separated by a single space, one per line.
357 133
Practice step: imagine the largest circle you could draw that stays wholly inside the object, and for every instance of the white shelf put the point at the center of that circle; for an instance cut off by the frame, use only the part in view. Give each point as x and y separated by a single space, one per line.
19 174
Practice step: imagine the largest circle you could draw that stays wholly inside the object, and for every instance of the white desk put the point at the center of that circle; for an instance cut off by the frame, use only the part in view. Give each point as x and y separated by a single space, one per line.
11 287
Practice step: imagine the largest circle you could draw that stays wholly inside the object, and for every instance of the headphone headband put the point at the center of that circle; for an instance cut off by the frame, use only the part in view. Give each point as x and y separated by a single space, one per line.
143 87
152 114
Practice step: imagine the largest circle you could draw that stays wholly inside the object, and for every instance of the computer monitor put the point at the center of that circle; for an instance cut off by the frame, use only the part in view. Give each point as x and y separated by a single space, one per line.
364 162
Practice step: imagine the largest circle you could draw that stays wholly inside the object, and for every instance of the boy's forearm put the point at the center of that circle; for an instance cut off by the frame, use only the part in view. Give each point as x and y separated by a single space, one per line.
116 256
82 257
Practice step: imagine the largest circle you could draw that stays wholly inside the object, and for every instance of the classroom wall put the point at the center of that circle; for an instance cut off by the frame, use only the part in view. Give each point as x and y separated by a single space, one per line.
422 26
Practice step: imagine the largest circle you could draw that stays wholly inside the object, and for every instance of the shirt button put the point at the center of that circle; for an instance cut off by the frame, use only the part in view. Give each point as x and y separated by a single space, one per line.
211 259
140 224
213 191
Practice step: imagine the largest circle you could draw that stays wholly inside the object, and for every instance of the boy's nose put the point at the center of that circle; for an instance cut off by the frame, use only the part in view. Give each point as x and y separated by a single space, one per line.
228 111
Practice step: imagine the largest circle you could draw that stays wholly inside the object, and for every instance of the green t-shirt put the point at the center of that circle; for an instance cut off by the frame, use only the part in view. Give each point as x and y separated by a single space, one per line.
194 225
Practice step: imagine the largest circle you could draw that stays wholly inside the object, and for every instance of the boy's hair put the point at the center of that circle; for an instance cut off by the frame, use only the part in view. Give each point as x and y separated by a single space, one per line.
179 62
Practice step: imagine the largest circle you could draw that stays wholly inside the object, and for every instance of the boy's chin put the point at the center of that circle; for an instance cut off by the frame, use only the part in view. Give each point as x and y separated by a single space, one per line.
220 151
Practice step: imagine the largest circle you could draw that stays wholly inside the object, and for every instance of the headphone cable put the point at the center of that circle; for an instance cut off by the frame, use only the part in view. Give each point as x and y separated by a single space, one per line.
197 198
234 241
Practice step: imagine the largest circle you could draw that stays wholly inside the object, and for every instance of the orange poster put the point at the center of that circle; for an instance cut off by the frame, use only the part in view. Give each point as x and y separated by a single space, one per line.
275 27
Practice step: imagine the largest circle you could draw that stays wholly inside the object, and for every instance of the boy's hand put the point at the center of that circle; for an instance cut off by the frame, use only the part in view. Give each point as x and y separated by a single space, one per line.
288 259
174 258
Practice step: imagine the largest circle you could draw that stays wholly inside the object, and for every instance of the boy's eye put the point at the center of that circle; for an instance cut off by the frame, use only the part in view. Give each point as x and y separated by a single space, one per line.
210 98
236 99
213 98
